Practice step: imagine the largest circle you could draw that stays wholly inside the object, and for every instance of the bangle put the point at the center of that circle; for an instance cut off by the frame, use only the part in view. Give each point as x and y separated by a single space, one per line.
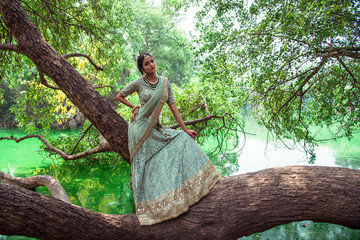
134 108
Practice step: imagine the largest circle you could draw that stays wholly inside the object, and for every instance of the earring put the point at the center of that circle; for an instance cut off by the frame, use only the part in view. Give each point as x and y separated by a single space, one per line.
144 74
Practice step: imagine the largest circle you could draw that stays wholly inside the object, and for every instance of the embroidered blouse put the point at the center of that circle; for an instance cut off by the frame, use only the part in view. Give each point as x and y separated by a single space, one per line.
144 91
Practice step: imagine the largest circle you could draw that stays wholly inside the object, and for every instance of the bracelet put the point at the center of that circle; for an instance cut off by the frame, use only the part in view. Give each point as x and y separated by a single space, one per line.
134 108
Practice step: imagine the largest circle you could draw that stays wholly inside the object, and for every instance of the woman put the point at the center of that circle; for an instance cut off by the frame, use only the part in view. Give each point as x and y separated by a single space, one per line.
169 170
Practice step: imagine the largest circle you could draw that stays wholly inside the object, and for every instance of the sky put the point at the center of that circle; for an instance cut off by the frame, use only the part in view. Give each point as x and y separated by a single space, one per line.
188 20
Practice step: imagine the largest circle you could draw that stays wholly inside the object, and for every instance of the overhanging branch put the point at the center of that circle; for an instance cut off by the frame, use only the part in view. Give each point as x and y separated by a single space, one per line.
300 88
104 146
45 83
194 122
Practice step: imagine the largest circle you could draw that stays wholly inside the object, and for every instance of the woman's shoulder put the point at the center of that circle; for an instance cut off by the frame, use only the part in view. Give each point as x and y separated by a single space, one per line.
136 82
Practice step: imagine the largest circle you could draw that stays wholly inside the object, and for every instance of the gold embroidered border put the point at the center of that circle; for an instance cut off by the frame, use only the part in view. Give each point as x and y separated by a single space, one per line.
178 201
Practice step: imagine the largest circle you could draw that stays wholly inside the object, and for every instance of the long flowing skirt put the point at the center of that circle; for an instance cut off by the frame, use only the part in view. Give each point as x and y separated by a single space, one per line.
170 172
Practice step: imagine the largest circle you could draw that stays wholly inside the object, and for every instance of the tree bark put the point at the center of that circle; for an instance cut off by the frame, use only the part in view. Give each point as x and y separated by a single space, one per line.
55 188
95 107
236 206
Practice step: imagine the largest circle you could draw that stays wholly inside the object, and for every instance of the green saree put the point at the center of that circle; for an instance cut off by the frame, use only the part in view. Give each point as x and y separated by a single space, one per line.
170 172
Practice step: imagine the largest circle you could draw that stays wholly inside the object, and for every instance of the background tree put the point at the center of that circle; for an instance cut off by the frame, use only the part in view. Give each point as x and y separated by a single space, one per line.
84 27
154 29
297 62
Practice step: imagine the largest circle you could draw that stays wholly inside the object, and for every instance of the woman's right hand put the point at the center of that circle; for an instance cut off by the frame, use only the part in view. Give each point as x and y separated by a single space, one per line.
135 113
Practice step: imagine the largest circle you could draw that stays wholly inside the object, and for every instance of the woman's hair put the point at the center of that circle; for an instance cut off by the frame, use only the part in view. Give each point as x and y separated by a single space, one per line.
140 60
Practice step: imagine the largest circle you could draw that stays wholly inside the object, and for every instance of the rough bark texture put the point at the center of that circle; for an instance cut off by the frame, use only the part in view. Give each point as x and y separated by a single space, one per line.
237 206
55 188
94 106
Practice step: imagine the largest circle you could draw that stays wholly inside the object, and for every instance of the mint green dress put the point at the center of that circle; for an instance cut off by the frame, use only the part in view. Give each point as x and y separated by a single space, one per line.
170 172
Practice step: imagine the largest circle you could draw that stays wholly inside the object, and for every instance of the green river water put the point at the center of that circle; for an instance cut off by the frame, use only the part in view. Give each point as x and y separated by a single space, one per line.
104 186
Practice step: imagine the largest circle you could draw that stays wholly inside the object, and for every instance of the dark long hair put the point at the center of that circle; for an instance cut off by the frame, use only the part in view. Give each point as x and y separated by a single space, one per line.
140 60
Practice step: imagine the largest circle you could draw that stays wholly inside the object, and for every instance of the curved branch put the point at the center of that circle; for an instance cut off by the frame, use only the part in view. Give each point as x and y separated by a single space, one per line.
102 147
45 83
104 86
85 56
316 70
10 47
54 186
349 72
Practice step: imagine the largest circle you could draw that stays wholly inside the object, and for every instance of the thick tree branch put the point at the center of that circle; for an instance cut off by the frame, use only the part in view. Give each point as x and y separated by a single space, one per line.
104 146
236 206
54 186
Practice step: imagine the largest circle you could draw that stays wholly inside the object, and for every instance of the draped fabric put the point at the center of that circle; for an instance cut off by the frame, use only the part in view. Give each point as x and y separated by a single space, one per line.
170 172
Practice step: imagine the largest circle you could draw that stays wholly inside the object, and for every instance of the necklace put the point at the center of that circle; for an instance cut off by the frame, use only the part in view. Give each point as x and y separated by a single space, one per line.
149 84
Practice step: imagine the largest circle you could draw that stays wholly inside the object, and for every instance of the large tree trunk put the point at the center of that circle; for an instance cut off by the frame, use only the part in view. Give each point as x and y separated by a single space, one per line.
237 206
95 107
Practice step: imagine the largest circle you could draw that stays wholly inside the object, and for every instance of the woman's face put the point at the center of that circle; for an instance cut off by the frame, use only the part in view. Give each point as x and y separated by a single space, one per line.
149 65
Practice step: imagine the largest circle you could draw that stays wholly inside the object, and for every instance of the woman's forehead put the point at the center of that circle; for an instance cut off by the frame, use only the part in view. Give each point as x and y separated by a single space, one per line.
148 58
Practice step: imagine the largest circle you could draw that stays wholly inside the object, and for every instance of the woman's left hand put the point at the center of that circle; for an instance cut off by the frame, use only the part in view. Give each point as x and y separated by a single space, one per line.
192 133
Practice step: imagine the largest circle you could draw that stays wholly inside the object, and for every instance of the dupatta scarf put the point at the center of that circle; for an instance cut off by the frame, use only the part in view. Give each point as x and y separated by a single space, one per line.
169 170
147 117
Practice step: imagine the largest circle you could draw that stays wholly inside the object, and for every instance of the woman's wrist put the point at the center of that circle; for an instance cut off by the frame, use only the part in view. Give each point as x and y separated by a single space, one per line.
134 108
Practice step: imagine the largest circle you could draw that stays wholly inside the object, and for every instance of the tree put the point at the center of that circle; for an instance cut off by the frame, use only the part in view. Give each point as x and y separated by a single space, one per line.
252 203
297 62
295 185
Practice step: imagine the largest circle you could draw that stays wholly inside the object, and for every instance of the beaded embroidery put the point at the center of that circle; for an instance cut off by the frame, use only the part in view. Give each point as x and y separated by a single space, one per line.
151 85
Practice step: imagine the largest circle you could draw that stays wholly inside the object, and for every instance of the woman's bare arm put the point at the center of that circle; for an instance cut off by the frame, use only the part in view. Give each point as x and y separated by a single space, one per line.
178 118
123 100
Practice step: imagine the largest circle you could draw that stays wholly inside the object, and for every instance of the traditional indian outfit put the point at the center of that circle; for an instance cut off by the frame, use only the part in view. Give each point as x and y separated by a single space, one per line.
170 172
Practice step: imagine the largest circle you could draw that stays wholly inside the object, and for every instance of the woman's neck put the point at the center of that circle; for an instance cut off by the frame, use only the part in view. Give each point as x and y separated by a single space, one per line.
152 77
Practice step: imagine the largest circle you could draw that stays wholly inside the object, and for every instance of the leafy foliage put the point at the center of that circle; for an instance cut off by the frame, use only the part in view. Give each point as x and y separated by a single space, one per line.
156 32
297 61
90 27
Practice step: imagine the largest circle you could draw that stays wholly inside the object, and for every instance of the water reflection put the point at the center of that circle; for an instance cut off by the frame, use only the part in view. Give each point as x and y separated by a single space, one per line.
258 155
306 230
100 186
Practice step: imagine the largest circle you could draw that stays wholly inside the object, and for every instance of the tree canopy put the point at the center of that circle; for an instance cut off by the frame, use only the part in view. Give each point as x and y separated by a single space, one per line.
110 33
297 62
